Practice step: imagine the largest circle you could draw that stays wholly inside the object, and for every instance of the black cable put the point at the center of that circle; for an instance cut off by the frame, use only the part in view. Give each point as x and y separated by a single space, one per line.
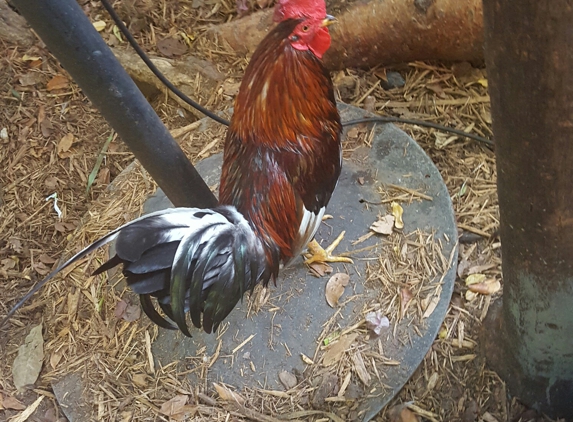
176 91
156 71
390 119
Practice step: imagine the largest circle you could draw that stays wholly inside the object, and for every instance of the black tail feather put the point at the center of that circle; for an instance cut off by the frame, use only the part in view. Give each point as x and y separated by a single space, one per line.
191 260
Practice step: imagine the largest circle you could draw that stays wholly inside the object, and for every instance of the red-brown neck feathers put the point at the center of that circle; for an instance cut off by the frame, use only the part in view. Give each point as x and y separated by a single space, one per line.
285 96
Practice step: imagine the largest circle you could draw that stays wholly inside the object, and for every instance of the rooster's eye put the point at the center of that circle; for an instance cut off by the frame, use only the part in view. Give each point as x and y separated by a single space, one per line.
305 28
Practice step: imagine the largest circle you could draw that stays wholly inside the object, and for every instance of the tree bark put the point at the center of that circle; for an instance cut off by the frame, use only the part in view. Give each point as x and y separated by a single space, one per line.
13 27
530 67
382 32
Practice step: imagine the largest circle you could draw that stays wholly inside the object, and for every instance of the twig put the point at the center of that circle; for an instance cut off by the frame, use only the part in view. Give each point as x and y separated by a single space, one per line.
410 191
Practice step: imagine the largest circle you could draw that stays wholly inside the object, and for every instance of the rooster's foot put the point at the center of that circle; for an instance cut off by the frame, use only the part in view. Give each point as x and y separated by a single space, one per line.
317 254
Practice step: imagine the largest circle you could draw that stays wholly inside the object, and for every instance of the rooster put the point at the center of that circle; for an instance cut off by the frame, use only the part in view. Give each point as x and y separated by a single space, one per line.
282 159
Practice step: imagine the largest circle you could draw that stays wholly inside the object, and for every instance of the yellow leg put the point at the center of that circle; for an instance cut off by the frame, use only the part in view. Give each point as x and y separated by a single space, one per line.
318 254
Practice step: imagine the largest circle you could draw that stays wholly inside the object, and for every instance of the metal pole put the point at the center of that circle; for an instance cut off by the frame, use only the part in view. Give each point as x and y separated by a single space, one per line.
71 37
530 68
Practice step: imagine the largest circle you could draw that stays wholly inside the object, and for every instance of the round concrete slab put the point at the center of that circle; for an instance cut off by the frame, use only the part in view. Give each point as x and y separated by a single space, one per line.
291 322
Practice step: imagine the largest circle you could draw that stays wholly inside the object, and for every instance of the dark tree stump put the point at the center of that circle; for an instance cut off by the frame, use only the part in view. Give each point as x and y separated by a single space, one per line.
530 66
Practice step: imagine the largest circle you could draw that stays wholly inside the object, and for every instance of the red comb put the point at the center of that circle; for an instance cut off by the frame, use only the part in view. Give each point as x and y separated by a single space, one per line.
294 9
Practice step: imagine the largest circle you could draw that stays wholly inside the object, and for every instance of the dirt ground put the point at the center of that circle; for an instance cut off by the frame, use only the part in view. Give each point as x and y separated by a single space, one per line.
52 141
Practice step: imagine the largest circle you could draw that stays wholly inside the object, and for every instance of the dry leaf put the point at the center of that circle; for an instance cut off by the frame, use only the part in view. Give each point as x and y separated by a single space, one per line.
319 269
65 144
336 350
487 287
360 368
73 302
99 25
41 268
306 359
488 417
30 78
28 363
475 278
405 299
174 406
57 82
287 379
228 395
27 58
170 47
140 380
9 263
376 322
431 306
335 288
470 296
11 402
56 357
46 259
127 311
401 413
397 212
383 226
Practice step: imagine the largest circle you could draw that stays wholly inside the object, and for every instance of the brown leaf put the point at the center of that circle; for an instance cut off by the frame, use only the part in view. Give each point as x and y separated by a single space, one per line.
46 259
175 405
30 78
9 263
170 47
57 82
140 380
400 413
287 379
56 357
405 298
41 268
383 226
51 182
65 144
336 350
437 89
487 287
46 127
120 308
228 395
11 402
60 227
132 313
335 287
103 177
319 269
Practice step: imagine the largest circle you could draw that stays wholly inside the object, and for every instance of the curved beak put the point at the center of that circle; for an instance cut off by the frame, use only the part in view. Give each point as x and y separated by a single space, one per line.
329 20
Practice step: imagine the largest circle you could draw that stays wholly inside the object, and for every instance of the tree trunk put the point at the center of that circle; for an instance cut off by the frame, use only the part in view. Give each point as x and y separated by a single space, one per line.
13 27
530 66
382 32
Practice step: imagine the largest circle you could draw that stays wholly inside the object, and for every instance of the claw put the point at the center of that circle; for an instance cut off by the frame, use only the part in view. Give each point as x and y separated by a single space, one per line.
318 254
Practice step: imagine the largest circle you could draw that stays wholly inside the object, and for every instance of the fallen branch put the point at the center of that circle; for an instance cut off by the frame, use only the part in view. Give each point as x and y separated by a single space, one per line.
382 32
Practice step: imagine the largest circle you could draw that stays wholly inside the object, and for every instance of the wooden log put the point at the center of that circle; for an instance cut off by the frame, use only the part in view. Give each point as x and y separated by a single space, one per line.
382 32
13 27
